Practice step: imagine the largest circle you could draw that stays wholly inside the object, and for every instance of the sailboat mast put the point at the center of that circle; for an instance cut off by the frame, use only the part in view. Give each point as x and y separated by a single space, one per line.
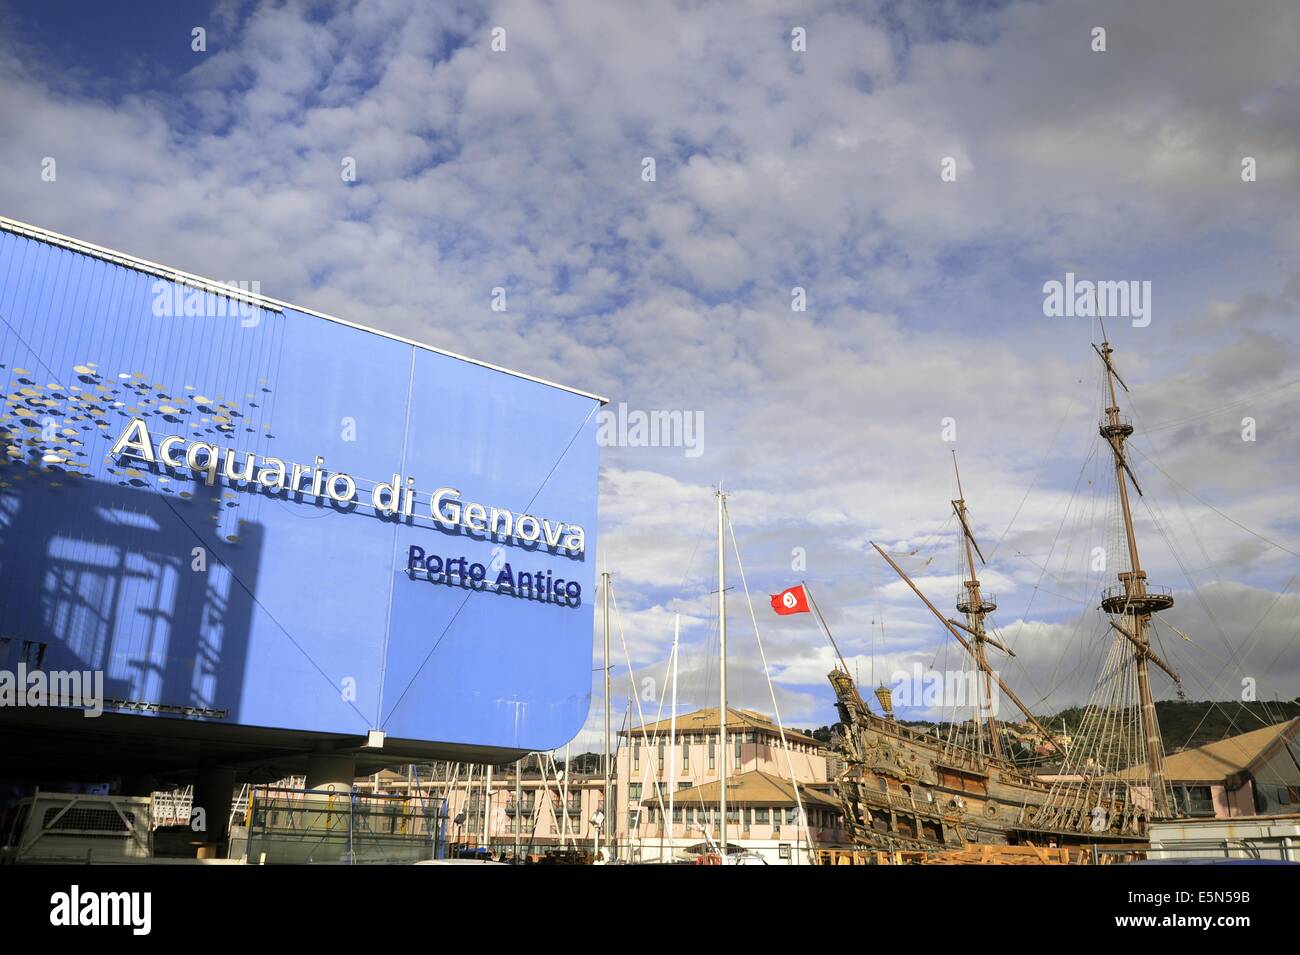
608 825
672 736
975 607
487 808
1135 601
722 672
564 799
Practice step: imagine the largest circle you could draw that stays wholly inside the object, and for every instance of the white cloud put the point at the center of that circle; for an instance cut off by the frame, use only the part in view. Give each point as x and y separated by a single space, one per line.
775 169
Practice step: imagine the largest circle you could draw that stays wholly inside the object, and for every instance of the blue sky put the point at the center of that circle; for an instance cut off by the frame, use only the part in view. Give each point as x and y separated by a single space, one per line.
117 49
775 168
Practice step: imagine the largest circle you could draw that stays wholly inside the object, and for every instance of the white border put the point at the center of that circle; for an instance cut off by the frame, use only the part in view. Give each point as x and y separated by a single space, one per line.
262 301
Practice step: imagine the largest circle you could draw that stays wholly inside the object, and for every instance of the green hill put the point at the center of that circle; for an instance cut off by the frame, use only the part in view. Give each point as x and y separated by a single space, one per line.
1189 723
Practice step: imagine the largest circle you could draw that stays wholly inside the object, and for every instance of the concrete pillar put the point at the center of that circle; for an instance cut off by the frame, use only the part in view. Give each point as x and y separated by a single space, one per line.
332 776
214 790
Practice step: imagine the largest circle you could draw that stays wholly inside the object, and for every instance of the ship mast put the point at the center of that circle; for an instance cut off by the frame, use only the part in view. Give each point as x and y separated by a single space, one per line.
1132 599
953 627
722 668
607 824
976 606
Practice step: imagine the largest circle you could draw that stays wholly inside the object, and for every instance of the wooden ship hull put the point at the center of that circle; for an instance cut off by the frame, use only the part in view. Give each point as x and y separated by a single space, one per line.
903 789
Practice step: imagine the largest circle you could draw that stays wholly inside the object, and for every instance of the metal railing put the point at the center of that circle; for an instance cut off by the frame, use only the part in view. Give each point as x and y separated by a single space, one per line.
342 827
171 807
963 600
1151 590
357 827
1192 850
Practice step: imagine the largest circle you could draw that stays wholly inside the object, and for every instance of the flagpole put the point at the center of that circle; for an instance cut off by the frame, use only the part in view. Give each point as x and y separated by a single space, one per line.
672 745
822 621
722 672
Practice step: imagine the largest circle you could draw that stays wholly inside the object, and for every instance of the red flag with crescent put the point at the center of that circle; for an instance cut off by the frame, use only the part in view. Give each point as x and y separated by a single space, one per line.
793 600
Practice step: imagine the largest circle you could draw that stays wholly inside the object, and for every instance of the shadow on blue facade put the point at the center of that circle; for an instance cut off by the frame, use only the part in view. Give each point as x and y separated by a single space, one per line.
107 590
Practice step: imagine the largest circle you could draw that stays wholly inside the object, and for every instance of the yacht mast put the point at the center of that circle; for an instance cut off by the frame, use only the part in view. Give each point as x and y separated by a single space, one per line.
976 606
487 808
722 671
672 737
518 822
607 824
1132 599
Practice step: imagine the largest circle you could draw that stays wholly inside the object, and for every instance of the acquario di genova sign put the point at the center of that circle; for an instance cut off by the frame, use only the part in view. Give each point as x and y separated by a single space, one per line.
391 498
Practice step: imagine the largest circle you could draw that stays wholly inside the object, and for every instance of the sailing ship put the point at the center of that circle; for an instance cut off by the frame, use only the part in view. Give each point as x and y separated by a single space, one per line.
904 789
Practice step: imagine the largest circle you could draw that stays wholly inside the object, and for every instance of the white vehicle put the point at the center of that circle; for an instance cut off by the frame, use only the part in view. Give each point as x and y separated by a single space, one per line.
75 828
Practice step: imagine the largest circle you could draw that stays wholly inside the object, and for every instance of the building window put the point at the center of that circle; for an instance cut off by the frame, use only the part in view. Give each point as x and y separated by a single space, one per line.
761 816
636 755
1197 800
662 745
738 745
686 754
633 793
712 760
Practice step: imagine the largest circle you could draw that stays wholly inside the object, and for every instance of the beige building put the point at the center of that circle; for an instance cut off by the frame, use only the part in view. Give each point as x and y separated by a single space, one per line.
1252 774
1256 773
762 805
547 808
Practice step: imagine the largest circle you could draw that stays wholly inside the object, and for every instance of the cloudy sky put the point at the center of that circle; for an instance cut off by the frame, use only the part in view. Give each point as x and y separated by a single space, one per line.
774 168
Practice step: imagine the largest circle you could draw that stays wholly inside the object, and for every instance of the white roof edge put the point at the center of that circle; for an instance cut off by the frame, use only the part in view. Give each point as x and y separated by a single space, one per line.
254 298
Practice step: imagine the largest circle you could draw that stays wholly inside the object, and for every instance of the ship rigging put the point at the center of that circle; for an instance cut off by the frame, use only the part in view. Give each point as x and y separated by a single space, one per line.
904 789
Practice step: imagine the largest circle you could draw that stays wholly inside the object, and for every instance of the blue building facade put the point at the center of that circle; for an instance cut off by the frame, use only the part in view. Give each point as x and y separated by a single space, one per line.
252 515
